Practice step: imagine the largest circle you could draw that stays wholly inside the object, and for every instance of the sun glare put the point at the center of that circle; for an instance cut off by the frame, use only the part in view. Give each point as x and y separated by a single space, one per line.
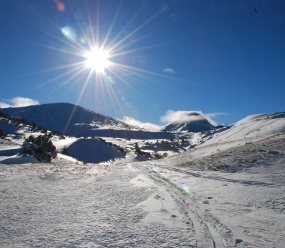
101 62
97 59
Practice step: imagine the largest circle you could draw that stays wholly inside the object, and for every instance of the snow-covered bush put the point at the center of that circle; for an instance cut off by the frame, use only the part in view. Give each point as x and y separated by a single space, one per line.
159 156
138 151
40 147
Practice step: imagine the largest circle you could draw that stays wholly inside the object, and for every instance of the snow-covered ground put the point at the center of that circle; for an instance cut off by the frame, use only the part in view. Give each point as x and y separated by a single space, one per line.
173 202
221 188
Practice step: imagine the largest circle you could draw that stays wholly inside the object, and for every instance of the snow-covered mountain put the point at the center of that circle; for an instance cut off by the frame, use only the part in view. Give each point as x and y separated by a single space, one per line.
195 123
74 120
64 117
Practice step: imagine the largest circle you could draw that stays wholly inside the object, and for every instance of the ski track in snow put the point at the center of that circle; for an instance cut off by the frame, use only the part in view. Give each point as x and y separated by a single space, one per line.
251 211
204 226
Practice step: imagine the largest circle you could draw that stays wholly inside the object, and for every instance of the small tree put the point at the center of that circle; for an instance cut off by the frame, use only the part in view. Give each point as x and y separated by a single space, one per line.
65 150
40 147
1 133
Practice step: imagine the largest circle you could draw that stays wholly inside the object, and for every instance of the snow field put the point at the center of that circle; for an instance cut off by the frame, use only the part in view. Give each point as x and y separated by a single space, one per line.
148 204
70 206
228 191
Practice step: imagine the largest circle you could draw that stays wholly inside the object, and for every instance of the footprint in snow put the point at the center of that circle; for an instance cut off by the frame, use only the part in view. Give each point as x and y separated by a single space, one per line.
157 197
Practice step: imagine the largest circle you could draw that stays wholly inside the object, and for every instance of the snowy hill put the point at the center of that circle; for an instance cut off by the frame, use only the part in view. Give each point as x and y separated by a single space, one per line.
251 128
249 136
63 117
197 123
74 120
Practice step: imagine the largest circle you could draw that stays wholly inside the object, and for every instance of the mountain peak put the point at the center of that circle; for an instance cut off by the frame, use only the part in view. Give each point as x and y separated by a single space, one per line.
191 122
74 120
64 117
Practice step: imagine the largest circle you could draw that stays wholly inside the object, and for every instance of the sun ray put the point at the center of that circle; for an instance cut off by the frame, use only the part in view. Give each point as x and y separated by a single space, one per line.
117 44
92 64
116 40
106 39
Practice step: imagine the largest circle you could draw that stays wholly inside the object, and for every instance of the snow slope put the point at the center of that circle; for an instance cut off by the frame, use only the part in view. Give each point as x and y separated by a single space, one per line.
145 204
62 117
74 120
251 127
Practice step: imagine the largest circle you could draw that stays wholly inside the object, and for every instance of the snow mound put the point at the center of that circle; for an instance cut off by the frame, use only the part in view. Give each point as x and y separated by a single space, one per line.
93 151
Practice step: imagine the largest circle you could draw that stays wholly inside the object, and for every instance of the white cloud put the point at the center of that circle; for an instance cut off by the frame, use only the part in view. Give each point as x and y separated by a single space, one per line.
181 116
136 123
18 102
169 70
4 105
213 115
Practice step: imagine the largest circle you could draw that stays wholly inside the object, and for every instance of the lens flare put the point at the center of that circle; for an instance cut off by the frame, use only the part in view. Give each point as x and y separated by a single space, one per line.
186 189
83 41
60 5
69 33
110 80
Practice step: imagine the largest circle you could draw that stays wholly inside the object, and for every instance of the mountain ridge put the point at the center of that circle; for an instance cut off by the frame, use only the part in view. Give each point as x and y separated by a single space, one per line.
74 120
69 113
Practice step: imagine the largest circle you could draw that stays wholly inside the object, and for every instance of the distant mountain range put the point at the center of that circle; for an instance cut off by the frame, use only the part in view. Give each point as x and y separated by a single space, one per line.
97 138
74 120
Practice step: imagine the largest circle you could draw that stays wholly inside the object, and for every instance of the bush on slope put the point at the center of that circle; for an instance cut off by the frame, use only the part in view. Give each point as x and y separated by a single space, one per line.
40 147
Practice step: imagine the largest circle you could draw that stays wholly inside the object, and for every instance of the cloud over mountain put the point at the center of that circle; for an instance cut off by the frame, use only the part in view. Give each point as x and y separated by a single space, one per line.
182 116
18 102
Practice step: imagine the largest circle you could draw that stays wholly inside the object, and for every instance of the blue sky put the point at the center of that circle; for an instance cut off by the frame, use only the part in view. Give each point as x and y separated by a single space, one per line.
224 58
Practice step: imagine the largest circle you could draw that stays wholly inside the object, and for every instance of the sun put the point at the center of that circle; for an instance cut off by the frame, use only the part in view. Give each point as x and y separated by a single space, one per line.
97 59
